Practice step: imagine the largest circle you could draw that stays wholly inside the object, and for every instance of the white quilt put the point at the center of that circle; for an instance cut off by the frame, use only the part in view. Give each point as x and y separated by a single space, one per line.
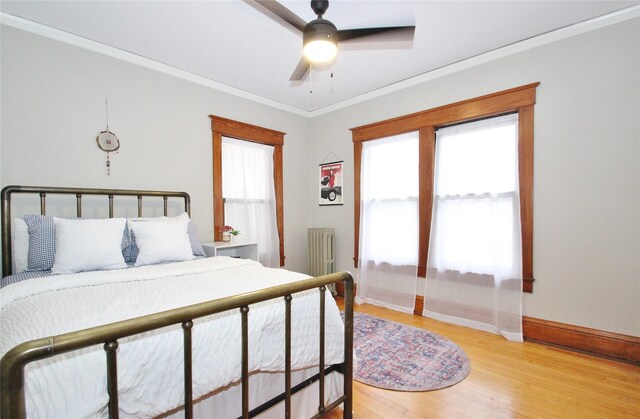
150 374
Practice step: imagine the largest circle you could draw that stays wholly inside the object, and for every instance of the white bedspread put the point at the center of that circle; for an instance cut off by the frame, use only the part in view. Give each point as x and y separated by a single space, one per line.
150 375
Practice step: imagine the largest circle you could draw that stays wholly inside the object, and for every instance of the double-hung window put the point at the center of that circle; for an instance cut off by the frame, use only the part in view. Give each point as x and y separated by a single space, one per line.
247 185
519 101
476 210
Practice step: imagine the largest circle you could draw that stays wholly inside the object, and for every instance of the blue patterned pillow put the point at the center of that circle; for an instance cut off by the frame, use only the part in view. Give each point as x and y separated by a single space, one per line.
42 242
42 236
129 248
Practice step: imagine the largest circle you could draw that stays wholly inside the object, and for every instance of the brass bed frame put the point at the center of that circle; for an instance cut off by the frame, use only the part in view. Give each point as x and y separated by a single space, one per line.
12 364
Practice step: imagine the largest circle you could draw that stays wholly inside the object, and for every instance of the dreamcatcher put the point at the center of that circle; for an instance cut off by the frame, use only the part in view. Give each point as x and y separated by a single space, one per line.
107 140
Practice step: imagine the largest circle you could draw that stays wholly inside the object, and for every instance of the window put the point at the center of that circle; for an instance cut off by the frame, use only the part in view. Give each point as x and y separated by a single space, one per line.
244 197
391 167
520 101
475 204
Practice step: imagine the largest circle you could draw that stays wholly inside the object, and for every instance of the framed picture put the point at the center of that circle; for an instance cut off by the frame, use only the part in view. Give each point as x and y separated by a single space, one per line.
331 183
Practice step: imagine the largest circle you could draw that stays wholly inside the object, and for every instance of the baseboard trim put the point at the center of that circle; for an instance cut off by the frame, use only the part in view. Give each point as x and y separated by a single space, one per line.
598 342
577 338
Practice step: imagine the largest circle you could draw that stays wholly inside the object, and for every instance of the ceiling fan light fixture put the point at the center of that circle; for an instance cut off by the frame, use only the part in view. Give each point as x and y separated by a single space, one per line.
320 51
320 41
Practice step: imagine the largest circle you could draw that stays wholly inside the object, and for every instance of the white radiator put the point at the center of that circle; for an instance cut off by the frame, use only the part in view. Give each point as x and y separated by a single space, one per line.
321 251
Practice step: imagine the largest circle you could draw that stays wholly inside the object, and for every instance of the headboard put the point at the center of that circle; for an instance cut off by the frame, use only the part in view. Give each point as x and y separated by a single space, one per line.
42 191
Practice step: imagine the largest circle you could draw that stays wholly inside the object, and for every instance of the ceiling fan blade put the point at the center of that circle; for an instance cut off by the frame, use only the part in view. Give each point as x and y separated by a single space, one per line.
278 12
301 69
395 33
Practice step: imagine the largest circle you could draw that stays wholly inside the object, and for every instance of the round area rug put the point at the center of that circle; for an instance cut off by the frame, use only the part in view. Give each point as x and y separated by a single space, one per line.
393 356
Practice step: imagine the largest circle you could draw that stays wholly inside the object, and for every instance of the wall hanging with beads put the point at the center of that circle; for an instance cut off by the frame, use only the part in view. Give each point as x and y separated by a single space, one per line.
107 140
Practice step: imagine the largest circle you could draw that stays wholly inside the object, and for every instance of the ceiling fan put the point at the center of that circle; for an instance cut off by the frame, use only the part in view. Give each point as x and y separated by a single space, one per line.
321 36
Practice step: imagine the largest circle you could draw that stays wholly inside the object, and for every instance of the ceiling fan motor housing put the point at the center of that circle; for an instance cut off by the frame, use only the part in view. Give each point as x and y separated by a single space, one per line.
320 29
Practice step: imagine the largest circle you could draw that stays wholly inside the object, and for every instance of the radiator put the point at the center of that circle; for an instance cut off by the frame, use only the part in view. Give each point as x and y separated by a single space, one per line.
321 251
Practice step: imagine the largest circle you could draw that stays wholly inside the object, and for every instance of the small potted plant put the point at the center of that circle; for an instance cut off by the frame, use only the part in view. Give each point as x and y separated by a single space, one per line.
228 232
234 233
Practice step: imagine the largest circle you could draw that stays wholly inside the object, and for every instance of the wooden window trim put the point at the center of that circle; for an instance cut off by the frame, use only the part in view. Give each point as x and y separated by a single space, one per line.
247 132
519 99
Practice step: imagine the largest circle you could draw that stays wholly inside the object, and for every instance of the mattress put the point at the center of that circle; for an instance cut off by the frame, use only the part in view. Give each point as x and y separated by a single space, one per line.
150 375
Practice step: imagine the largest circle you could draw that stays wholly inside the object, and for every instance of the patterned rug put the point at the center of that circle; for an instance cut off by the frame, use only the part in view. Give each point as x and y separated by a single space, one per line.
393 356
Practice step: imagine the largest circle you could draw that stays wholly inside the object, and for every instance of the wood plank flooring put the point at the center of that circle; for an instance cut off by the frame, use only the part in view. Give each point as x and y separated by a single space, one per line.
508 380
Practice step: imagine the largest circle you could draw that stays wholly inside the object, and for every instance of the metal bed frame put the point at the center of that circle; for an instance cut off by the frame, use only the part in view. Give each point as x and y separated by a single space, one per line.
12 364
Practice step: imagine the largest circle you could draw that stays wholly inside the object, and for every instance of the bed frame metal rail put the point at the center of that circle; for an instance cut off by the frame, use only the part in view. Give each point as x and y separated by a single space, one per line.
12 365
78 192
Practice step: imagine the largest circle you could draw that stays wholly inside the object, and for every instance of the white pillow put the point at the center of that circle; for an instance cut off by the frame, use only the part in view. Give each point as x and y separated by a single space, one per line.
196 246
20 245
162 240
87 245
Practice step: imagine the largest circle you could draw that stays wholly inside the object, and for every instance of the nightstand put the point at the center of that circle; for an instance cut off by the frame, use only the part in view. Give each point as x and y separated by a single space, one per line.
244 250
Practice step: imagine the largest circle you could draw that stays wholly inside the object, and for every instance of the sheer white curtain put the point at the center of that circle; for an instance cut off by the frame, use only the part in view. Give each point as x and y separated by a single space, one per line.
388 258
249 195
474 273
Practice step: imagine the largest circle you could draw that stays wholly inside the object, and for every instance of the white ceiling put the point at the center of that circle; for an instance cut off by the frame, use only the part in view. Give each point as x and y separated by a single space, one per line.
241 49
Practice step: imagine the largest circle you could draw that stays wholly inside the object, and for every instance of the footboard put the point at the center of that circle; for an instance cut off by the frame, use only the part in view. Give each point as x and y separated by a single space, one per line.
12 365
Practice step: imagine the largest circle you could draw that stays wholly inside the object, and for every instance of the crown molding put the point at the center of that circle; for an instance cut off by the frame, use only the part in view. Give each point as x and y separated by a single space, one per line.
527 44
78 41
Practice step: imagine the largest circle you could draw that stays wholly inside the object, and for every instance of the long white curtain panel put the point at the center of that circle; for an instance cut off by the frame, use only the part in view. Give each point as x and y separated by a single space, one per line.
388 258
249 195
474 275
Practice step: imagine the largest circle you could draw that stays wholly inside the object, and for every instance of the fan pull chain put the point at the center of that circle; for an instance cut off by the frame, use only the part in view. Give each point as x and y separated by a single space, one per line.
108 165
311 84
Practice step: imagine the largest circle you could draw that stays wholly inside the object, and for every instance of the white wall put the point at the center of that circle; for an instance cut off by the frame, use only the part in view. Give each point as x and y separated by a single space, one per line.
587 151
53 106
587 178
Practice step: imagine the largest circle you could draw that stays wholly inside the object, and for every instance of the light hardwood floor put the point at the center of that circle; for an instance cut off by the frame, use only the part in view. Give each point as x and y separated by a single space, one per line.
508 380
